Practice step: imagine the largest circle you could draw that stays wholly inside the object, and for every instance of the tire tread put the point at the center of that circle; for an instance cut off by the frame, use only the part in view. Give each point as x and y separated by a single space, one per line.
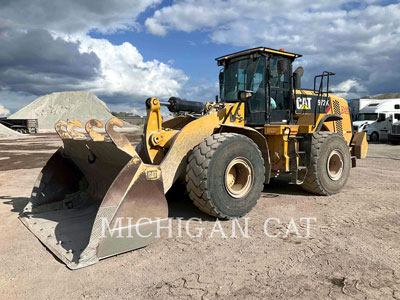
312 181
197 170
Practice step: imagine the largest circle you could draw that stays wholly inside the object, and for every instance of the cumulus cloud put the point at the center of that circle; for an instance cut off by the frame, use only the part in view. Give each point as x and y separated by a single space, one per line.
226 15
356 39
75 16
200 90
33 61
4 112
124 72
15 100
349 89
47 48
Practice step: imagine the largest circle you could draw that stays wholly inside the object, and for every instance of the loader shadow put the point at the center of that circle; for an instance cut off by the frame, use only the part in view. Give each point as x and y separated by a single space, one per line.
281 186
180 205
18 203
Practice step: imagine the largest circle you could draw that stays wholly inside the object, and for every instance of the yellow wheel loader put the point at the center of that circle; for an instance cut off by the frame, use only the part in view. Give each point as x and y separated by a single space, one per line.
98 196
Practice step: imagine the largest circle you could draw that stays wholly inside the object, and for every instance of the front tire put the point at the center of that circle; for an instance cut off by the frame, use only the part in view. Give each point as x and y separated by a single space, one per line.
395 142
225 175
330 164
374 137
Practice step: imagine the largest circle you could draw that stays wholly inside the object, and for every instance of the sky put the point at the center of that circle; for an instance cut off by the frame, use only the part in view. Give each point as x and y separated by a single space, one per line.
128 50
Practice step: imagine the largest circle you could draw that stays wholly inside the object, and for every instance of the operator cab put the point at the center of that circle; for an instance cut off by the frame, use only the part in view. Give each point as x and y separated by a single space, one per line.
263 78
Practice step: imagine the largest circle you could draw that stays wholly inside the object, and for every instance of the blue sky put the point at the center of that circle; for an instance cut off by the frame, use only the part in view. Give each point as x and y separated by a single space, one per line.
191 52
125 51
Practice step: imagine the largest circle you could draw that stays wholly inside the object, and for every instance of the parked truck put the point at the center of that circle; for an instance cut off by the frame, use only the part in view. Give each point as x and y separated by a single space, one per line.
21 125
394 133
377 118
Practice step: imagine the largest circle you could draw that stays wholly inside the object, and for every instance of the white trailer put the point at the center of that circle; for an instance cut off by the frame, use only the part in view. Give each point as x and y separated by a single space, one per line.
358 104
377 117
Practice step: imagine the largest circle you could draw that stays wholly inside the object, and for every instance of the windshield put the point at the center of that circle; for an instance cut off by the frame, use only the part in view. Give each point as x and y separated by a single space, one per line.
244 73
367 117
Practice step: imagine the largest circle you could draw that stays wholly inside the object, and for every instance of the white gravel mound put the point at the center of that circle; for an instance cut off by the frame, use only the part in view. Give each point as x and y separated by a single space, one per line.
49 109
7 133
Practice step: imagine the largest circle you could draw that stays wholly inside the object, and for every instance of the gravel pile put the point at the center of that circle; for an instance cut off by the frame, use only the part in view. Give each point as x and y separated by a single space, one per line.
49 109
6 133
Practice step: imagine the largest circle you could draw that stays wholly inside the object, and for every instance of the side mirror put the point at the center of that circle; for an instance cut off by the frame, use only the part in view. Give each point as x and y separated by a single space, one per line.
221 77
245 95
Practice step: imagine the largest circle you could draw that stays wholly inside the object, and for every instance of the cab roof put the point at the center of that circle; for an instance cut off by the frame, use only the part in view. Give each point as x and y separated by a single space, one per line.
254 50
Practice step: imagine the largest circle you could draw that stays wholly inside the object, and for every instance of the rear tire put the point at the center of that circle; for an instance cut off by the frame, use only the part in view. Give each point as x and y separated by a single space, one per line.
225 175
330 164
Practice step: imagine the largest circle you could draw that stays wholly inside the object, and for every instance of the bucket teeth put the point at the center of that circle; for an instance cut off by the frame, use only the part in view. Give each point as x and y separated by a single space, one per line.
119 139
64 135
71 130
93 134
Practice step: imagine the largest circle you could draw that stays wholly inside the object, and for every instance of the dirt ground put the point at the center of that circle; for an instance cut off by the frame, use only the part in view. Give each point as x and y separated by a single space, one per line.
352 250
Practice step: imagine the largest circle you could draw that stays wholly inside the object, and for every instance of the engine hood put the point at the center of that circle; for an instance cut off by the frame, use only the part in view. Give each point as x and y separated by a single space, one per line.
359 123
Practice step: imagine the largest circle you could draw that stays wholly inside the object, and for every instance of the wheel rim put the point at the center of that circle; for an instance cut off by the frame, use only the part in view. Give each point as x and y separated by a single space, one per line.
335 165
239 177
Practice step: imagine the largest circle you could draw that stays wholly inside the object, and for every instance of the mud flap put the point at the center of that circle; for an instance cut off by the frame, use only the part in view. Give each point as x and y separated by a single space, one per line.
95 197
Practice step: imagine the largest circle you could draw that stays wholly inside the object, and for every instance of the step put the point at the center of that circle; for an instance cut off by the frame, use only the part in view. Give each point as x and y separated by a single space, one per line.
297 137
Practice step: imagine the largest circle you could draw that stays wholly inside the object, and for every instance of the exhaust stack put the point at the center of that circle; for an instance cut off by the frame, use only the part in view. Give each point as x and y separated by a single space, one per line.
297 74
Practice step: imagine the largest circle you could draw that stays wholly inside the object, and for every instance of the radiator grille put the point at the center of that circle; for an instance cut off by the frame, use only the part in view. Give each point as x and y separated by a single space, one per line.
336 110
396 129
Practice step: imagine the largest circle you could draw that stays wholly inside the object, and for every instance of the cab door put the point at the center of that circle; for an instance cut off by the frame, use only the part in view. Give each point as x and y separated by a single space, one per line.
256 106
383 124
280 89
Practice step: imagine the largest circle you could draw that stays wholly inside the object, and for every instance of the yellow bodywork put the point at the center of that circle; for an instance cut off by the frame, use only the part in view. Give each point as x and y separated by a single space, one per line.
157 138
179 141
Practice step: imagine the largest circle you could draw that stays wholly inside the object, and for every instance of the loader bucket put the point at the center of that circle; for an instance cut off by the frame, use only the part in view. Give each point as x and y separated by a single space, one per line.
95 197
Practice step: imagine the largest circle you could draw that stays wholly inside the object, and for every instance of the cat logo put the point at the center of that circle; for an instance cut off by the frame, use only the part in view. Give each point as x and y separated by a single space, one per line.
303 103
153 174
